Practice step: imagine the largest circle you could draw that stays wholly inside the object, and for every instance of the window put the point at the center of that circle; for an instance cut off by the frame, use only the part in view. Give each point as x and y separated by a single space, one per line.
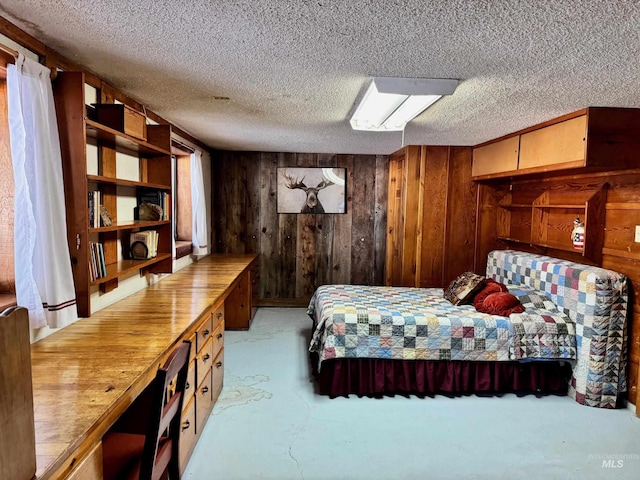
7 277
182 200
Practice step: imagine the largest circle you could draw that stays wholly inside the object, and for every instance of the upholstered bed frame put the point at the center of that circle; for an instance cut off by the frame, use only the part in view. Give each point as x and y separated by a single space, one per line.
594 298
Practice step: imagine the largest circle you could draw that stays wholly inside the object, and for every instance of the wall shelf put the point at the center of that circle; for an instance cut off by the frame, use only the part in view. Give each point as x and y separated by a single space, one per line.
115 138
131 225
126 183
153 166
547 222
124 267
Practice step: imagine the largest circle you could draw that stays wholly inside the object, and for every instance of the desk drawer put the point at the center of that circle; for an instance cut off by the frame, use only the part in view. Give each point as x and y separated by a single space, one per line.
218 339
217 316
203 333
204 402
217 375
90 467
204 360
188 437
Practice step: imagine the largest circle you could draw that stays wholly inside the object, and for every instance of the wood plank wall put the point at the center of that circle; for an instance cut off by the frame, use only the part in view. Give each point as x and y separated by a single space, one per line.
620 252
431 220
299 252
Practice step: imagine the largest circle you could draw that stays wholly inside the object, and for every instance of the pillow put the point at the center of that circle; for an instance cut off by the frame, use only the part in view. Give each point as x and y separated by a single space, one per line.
490 286
501 303
463 288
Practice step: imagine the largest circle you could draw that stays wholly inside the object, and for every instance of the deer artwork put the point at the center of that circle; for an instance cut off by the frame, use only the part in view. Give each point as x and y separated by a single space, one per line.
312 203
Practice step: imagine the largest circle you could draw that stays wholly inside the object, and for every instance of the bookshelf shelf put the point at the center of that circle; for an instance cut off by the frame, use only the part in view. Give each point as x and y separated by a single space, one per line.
125 267
547 221
153 155
122 141
134 224
126 183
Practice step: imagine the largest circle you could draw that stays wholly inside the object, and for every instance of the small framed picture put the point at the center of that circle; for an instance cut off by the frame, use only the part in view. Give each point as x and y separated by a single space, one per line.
311 190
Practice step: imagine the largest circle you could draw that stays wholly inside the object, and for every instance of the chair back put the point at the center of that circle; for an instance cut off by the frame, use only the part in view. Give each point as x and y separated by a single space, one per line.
163 432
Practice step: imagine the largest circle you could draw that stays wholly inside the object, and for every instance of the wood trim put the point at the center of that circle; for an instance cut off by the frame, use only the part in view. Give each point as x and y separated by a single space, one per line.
18 35
54 60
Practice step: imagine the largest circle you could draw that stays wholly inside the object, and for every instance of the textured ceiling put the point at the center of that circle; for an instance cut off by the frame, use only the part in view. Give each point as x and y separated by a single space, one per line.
293 69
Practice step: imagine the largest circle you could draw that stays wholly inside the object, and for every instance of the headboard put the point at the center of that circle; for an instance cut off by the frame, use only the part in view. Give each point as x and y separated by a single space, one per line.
596 299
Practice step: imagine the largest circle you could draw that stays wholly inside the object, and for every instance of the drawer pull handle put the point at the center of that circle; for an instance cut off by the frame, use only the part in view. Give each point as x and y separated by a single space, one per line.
219 336
206 357
205 389
185 425
218 364
187 386
219 315
206 333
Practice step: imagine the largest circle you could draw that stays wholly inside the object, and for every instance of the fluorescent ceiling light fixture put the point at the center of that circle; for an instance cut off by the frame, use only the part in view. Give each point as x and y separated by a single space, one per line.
391 102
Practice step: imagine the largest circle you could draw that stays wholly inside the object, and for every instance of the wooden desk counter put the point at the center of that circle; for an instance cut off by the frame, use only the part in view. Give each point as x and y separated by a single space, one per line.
87 374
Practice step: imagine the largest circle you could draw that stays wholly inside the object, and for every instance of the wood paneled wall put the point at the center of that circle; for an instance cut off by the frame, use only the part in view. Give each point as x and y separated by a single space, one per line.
299 252
620 252
431 223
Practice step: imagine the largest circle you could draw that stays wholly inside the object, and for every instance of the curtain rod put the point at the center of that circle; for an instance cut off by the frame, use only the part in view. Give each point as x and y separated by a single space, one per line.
8 50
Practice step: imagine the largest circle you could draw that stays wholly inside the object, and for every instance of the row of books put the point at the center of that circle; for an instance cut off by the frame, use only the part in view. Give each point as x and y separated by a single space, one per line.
156 197
144 245
97 265
94 209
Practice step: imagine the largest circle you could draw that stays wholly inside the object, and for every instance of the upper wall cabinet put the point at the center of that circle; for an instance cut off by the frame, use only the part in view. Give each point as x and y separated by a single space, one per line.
589 139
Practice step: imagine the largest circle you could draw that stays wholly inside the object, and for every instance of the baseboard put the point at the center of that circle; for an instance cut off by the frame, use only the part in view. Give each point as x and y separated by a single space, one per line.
283 302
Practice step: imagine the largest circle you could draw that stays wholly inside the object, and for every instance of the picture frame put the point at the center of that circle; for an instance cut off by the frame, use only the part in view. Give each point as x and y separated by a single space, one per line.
315 190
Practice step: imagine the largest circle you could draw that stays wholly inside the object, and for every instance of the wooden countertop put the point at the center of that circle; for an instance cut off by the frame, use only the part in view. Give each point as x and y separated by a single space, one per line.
87 374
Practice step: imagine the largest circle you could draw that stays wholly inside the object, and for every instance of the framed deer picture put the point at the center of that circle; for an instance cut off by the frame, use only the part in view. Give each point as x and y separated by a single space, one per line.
311 190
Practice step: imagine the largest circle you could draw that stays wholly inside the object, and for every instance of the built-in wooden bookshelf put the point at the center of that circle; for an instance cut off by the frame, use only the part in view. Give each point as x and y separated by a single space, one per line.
546 221
153 155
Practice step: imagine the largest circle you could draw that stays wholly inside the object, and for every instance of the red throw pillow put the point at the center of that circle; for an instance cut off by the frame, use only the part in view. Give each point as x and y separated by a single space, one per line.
491 286
501 303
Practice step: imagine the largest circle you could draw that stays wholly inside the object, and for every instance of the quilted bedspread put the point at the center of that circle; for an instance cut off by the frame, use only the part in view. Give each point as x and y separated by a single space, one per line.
353 321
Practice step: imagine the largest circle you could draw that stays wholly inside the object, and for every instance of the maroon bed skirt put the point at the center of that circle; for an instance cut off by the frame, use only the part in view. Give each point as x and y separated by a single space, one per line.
377 377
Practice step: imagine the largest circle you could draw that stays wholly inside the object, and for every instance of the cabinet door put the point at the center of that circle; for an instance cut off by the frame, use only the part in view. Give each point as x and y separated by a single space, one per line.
496 157
561 145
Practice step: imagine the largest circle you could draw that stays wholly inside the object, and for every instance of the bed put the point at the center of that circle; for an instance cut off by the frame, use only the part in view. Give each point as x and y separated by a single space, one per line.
570 340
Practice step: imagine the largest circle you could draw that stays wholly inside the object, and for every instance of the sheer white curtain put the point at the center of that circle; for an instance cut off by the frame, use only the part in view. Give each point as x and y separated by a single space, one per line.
198 206
44 282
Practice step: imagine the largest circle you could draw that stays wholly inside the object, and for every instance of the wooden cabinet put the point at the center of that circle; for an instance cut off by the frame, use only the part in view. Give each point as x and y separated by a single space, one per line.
150 161
430 232
204 379
241 303
500 156
595 138
546 221
560 145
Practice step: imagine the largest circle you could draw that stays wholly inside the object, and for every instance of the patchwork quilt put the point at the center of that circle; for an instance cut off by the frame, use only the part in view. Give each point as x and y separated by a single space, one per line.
353 321
595 299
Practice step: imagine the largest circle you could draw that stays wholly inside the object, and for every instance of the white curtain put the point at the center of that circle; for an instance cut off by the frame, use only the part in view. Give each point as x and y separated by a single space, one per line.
198 206
44 282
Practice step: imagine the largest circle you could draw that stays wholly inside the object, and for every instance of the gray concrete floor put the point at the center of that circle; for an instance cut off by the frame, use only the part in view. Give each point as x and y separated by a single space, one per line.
270 424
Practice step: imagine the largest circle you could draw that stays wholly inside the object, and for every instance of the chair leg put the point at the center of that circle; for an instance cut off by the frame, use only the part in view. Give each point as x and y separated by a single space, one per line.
173 470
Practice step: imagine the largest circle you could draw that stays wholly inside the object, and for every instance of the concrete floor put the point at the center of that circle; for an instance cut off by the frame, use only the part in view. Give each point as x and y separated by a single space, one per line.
270 424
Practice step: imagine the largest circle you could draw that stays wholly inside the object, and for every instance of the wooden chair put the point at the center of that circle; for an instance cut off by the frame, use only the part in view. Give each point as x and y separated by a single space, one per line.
149 456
